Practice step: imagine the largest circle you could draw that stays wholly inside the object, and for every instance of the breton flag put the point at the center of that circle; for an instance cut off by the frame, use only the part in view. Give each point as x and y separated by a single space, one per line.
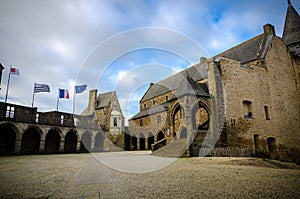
14 71
64 93
38 88
80 88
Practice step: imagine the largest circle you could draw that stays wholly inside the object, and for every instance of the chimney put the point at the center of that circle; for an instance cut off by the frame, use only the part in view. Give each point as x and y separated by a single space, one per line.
203 60
92 100
269 29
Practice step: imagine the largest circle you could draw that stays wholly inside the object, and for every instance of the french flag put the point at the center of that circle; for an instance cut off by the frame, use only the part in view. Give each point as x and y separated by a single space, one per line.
64 93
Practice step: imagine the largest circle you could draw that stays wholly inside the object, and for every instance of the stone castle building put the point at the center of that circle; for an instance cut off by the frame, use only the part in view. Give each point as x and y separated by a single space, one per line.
108 114
241 102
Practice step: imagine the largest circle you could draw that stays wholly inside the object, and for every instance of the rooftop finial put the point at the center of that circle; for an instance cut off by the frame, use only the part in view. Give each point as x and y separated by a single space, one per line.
289 2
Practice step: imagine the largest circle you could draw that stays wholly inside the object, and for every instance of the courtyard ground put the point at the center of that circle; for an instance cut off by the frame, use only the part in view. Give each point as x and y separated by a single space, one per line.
139 175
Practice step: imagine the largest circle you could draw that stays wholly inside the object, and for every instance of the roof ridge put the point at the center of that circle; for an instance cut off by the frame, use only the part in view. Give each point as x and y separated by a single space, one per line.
239 45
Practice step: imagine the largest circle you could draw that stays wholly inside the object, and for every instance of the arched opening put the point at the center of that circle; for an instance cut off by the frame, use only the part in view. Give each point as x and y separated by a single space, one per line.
99 142
70 142
200 117
30 143
127 141
150 140
178 115
142 142
183 133
134 143
272 147
52 142
7 139
160 136
85 143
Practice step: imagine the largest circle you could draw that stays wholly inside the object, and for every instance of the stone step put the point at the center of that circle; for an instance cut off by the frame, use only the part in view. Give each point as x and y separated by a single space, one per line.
174 149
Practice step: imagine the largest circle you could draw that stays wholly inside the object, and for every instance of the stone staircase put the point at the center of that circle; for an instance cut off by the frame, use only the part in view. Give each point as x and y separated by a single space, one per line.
175 149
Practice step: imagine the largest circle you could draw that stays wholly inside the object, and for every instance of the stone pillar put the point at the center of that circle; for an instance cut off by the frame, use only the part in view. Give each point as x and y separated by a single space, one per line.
146 144
78 146
18 147
62 146
42 146
138 143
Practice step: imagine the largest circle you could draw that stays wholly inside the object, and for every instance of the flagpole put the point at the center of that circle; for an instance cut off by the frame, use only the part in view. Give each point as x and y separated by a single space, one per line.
33 95
57 100
7 86
74 99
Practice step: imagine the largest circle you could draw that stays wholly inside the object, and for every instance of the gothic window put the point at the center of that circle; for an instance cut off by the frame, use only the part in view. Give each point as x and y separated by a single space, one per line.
141 122
10 112
145 106
62 119
167 98
159 119
153 102
37 118
115 121
247 109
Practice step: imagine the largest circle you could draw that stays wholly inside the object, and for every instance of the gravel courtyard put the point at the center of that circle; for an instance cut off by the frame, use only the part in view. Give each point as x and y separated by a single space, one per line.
86 176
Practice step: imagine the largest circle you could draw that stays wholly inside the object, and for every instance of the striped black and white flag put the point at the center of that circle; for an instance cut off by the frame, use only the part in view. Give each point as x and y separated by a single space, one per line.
38 88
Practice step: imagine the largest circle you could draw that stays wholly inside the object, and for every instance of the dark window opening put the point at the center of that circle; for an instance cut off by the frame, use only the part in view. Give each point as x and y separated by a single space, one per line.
267 113
115 121
158 119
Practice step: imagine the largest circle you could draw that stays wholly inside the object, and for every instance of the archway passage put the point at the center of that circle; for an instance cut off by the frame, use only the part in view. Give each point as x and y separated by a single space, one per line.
99 142
178 115
150 140
85 143
70 142
31 141
127 141
200 117
134 143
7 139
52 142
160 136
142 142
257 143
272 147
183 133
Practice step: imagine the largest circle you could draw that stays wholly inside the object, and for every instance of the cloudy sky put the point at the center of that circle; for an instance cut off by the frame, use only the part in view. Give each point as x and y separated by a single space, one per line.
120 45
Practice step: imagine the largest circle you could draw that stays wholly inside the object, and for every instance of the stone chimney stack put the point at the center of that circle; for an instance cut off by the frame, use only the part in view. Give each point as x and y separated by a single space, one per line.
269 29
92 100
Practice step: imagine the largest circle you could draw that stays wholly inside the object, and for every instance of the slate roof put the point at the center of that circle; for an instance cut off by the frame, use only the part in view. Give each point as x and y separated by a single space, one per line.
244 52
176 82
291 32
149 111
103 99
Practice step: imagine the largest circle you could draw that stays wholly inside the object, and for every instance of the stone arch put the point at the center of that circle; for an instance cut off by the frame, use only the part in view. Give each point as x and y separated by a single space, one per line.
52 141
272 147
183 132
127 141
200 116
85 142
160 136
134 142
150 140
99 142
8 134
177 114
71 142
31 140
142 141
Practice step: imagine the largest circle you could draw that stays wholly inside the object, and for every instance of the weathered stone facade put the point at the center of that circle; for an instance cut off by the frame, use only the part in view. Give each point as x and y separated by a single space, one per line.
108 114
23 130
252 102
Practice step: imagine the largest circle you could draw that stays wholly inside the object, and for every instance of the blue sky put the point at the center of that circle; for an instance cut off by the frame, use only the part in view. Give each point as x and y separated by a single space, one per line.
54 42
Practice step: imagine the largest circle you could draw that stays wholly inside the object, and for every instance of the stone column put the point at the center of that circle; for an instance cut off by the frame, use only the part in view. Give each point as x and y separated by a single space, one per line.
62 146
18 147
42 146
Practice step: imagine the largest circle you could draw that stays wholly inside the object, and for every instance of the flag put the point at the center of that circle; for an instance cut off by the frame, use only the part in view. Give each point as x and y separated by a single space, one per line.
80 88
14 71
41 88
64 93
